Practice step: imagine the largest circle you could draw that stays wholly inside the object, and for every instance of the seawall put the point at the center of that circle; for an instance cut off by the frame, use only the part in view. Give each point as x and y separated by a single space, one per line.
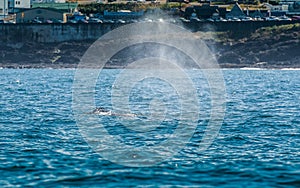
47 33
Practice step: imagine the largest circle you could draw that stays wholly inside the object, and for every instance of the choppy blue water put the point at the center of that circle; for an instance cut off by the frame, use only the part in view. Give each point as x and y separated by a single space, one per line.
258 144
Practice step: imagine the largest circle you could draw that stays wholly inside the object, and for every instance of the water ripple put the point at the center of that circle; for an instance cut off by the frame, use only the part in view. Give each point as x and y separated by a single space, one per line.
258 144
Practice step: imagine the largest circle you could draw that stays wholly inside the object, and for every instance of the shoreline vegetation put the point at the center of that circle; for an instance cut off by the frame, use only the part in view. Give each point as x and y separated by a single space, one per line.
94 8
274 47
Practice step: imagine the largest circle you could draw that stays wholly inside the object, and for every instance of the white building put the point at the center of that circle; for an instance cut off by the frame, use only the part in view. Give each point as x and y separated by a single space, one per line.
277 8
3 9
48 1
293 6
19 4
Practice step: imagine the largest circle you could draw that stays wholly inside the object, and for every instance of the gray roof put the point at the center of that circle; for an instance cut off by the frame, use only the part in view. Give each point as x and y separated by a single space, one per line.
257 13
236 11
59 6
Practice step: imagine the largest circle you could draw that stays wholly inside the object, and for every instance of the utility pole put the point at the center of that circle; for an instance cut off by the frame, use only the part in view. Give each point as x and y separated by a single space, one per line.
4 9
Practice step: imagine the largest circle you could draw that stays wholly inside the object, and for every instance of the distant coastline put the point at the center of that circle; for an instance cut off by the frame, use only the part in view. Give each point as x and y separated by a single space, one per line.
265 47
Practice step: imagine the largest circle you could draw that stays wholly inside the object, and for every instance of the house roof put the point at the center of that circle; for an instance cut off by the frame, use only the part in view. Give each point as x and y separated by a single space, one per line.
59 6
236 11
256 13
49 9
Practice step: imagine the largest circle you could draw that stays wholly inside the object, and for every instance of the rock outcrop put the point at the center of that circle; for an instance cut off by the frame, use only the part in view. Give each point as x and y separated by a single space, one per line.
275 47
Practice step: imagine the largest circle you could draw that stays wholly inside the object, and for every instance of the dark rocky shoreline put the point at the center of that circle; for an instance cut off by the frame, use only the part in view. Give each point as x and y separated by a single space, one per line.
277 47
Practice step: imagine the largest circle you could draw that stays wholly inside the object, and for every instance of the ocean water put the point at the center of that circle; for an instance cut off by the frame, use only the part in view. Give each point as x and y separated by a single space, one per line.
258 144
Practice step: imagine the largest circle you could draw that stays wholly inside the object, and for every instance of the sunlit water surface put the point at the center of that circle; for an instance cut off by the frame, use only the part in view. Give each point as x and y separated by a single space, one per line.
258 144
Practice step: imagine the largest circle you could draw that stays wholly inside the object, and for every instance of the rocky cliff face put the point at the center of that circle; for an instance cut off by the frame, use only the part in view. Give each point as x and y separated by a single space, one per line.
42 55
276 47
